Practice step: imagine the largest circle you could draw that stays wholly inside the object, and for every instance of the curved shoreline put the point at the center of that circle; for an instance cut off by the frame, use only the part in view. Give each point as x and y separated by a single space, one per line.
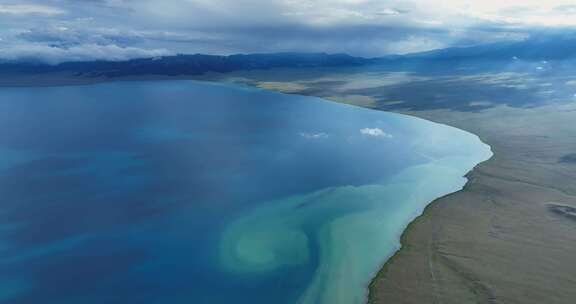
403 238
381 273
479 230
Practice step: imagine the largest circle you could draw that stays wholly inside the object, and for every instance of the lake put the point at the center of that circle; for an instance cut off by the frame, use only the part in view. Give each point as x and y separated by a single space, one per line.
188 192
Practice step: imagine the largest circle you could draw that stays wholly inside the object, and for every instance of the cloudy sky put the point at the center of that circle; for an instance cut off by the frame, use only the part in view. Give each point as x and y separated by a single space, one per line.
66 30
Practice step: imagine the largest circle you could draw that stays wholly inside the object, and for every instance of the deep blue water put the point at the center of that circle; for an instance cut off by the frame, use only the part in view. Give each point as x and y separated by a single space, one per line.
184 192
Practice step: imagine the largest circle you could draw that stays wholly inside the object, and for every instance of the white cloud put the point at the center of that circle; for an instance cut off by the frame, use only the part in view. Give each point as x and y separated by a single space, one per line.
358 27
414 44
309 135
30 9
548 13
376 132
84 52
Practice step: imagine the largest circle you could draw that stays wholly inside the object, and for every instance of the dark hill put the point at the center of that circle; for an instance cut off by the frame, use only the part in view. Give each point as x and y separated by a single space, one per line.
189 64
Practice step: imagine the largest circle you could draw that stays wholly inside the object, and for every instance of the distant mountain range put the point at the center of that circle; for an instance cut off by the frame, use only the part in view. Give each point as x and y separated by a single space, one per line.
548 48
539 48
189 64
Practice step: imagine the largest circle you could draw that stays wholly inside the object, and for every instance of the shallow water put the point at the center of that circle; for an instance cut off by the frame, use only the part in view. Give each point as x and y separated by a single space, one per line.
185 192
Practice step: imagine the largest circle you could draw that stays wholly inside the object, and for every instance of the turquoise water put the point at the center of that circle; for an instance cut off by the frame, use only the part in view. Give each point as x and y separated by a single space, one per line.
186 192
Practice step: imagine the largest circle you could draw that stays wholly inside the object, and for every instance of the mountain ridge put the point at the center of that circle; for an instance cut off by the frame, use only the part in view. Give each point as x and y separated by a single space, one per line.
534 49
